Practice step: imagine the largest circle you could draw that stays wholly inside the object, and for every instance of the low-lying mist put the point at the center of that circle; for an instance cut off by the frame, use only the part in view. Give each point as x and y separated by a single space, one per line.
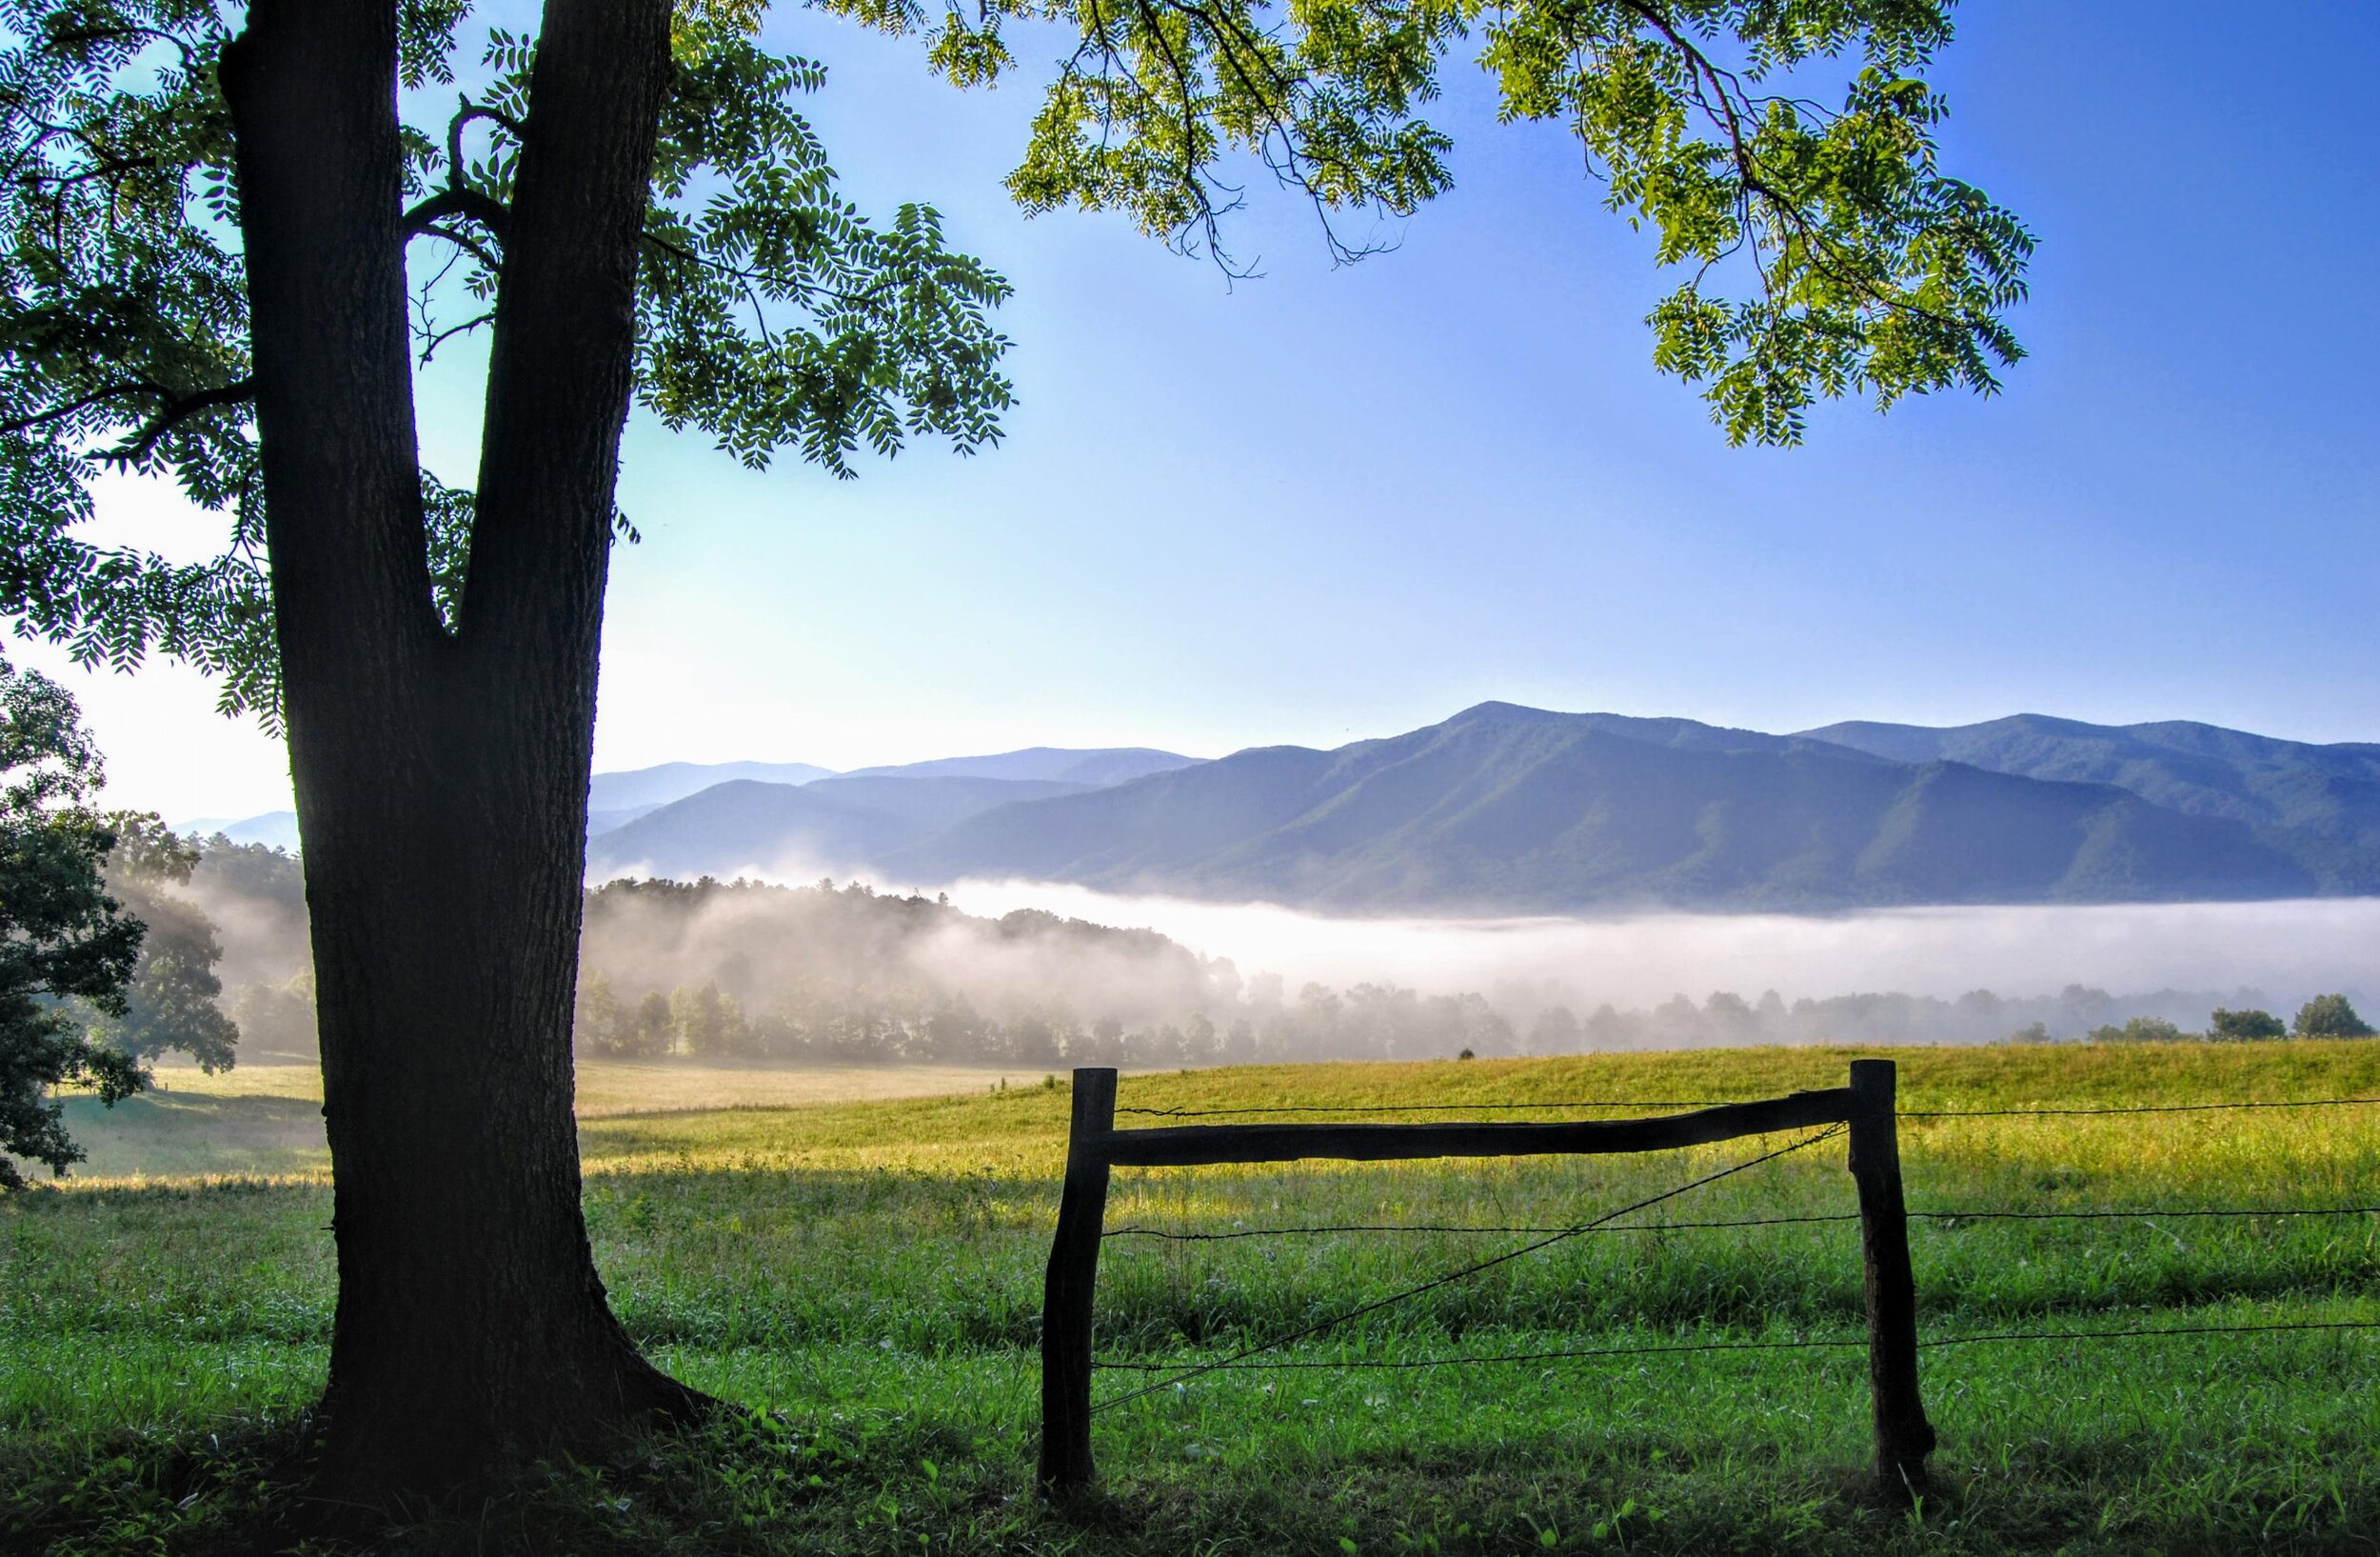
1043 975
2307 945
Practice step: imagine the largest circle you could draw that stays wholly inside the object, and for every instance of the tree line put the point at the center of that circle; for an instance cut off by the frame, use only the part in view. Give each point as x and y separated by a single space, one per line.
742 971
752 973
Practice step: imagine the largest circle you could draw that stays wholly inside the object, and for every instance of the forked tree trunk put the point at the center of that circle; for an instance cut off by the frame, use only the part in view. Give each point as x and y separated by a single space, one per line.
442 779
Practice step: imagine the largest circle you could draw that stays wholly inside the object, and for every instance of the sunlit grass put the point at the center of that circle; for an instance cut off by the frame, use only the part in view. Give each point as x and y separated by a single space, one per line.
872 1268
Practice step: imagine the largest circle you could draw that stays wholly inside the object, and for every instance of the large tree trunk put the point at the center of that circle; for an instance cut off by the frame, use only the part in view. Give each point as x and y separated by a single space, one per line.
442 779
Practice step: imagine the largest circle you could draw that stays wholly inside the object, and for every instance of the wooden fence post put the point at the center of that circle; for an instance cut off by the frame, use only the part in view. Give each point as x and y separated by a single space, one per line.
1067 1293
1903 1436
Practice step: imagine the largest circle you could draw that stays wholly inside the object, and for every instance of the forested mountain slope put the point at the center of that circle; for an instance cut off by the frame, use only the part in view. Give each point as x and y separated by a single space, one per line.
2320 805
1504 809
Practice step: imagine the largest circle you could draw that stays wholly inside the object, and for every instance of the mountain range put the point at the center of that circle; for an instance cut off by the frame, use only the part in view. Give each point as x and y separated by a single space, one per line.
1509 809
958 788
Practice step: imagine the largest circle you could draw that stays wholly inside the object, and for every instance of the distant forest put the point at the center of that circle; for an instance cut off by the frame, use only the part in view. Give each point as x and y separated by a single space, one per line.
842 974
845 975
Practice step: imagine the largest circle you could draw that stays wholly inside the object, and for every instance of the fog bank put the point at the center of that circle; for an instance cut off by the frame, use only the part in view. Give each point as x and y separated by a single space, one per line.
2292 948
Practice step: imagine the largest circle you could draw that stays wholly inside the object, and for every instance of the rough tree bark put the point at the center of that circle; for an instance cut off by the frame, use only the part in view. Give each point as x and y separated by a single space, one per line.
442 780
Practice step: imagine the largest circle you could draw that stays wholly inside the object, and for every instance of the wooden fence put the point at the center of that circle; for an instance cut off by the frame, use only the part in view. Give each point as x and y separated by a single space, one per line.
1903 1436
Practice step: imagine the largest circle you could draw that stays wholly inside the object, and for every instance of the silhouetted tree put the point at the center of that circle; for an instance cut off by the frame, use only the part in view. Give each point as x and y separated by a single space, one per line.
62 937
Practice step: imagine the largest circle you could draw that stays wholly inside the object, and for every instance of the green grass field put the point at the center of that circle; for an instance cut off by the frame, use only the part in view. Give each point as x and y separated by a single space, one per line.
870 1271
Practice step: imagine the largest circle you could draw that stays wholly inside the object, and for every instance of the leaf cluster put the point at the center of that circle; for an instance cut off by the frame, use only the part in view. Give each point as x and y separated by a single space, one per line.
1825 252
124 335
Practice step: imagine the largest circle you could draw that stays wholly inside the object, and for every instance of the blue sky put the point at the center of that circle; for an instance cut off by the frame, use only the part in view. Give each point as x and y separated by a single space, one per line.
1338 503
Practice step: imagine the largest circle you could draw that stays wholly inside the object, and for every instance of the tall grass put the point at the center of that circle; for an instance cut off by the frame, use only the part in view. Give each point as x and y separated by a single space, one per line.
872 1270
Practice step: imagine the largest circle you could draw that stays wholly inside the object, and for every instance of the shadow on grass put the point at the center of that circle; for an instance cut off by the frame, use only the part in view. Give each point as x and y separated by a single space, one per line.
161 1134
760 1485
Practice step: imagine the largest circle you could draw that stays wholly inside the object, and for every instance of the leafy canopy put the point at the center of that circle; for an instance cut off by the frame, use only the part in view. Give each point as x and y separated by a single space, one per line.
62 937
1820 249
2329 1016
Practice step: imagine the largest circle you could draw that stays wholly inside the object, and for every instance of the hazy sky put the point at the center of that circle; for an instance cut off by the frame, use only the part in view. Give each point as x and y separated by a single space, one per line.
1335 504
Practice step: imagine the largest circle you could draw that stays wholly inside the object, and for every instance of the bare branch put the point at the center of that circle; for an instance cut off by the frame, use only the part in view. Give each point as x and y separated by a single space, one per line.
440 339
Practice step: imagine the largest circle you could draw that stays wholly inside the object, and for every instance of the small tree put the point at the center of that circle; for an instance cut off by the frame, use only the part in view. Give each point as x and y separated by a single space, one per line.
62 937
711 1022
2244 1027
2140 1029
2329 1016
595 1020
277 1020
1555 1031
655 1034
171 1001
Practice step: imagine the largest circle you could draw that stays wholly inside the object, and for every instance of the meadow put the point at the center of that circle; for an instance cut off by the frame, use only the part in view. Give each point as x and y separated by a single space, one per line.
865 1273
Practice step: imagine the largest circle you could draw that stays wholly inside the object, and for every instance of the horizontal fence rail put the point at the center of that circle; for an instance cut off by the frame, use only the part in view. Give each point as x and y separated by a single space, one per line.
1202 1146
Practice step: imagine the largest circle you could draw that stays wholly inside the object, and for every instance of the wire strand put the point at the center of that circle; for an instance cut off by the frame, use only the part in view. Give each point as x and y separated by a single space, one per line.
2148 1107
1452 1276
1953 1215
1393 1365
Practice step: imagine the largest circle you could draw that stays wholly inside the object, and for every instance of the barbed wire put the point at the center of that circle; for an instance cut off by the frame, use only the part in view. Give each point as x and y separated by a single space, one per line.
1403 1363
1955 1215
1465 1272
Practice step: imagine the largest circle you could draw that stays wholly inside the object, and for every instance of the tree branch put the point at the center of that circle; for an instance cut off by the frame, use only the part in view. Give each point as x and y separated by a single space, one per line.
456 200
444 335
462 240
26 424
468 111
172 414
1825 252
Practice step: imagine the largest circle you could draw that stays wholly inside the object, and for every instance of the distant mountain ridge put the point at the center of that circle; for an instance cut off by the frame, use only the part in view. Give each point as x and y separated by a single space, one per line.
1092 769
744 826
2320 805
642 788
1510 809
844 820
